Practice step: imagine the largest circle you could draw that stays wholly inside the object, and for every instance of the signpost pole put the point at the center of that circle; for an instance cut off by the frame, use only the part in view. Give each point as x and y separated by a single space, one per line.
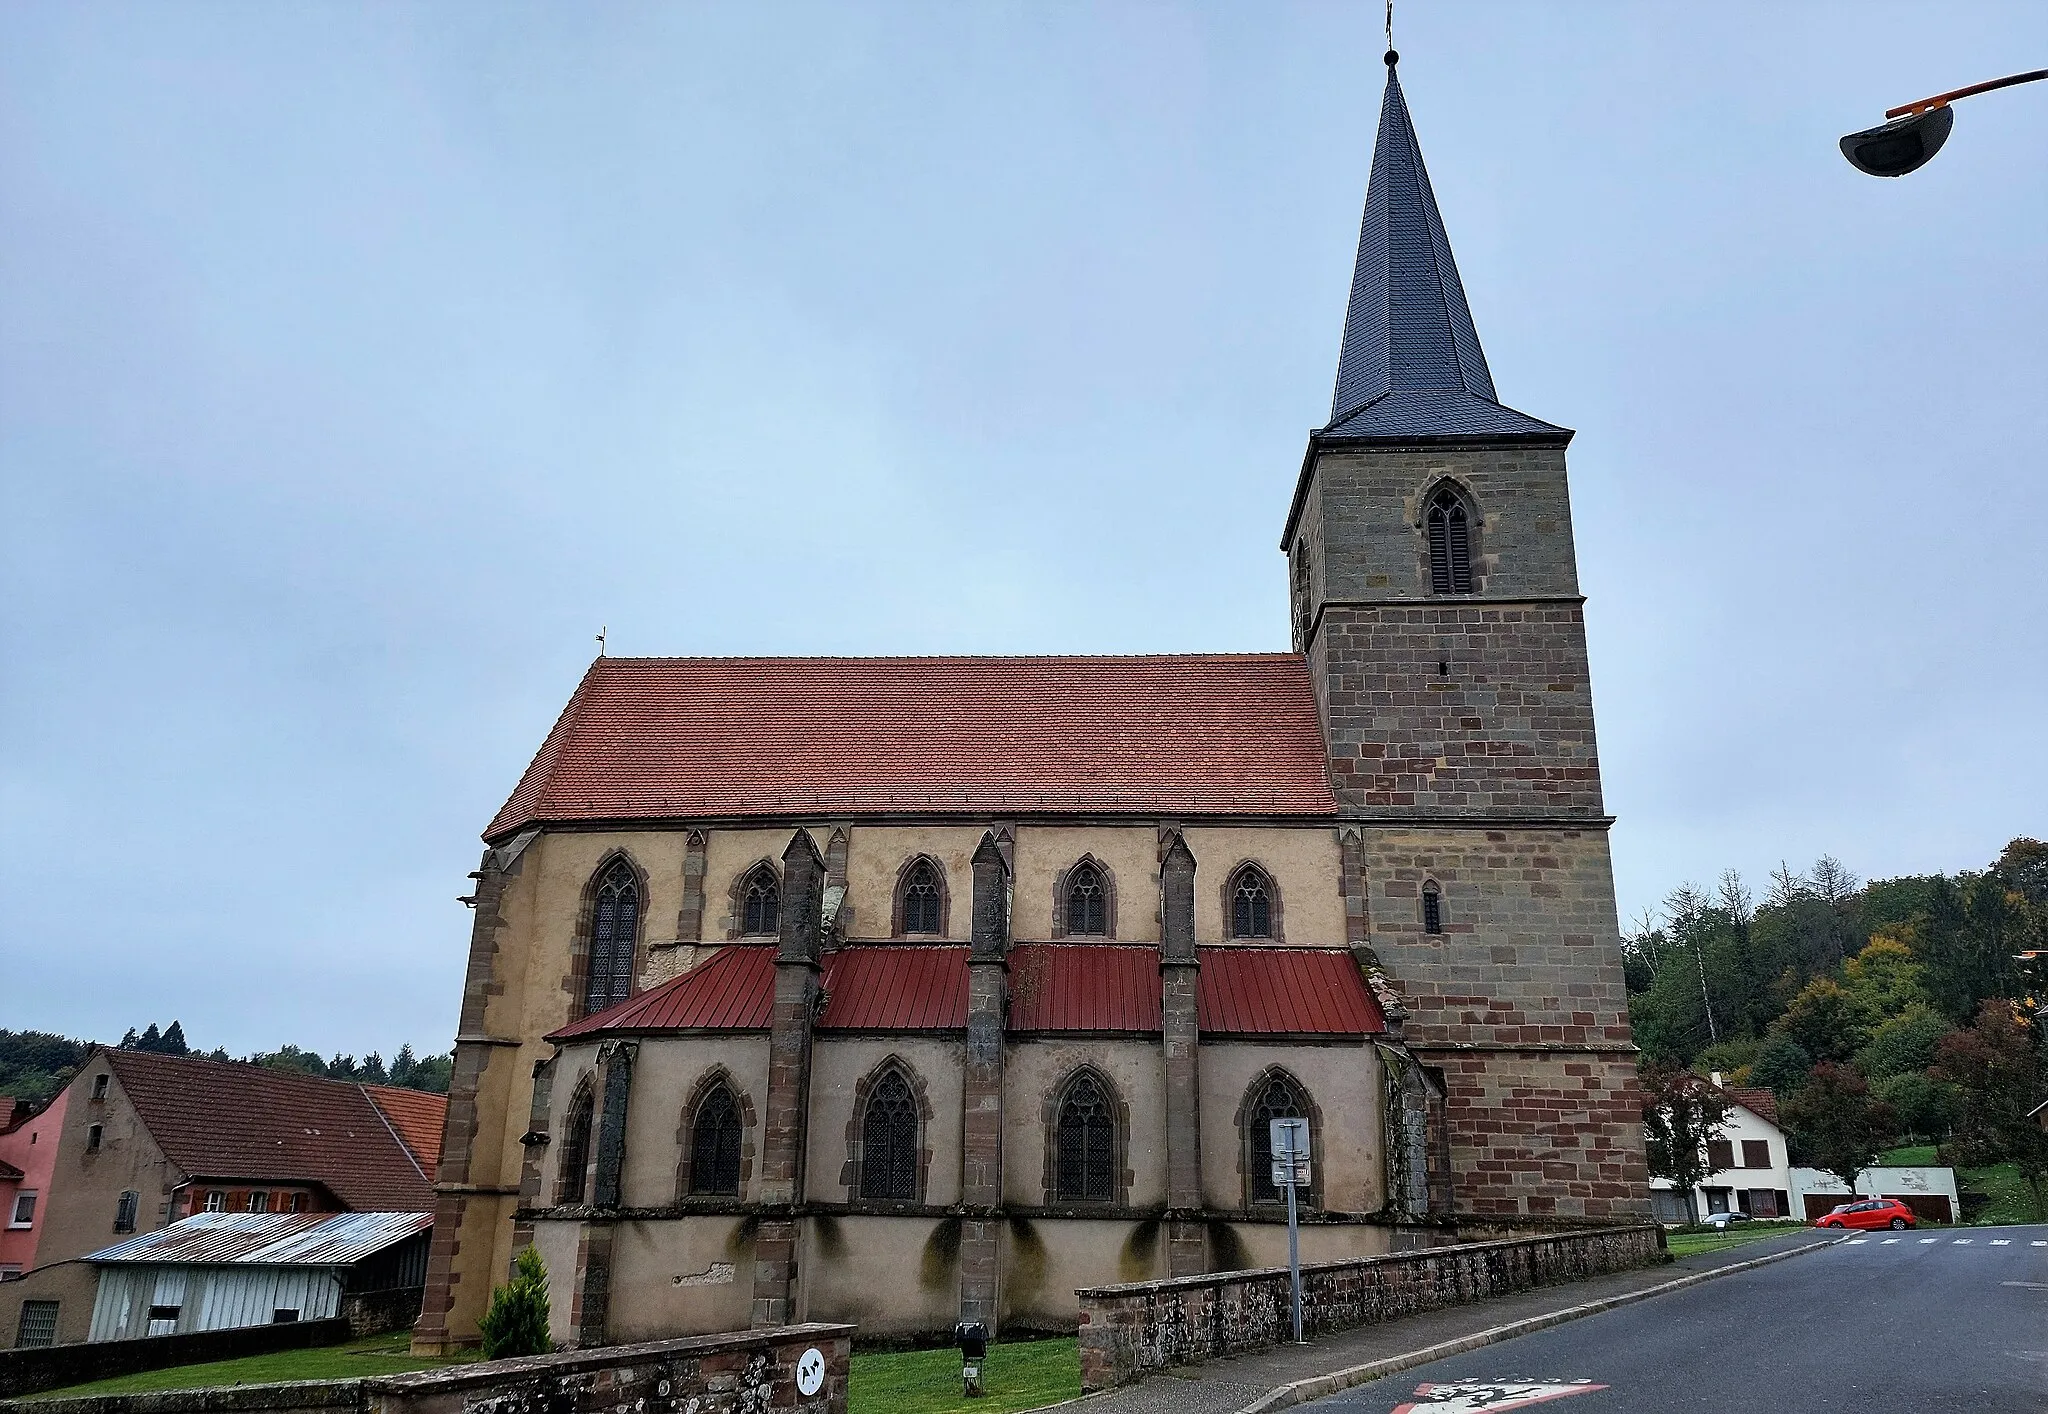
1288 1147
1294 1253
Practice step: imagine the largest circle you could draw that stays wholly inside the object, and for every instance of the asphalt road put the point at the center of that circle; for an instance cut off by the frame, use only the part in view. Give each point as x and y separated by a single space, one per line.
1884 1323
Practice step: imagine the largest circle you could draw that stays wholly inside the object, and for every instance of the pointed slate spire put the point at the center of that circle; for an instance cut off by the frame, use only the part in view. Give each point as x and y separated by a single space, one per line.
1411 363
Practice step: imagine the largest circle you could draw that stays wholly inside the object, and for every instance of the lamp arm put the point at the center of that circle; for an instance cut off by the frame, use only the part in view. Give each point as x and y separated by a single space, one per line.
1940 98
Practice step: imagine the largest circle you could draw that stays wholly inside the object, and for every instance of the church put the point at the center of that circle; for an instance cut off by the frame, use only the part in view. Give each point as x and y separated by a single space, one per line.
911 990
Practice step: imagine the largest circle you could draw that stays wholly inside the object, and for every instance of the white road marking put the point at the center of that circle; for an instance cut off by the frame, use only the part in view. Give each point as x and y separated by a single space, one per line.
2029 1285
1925 1240
1858 1241
1889 1241
2041 1244
2001 1242
1488 1396
1960 1242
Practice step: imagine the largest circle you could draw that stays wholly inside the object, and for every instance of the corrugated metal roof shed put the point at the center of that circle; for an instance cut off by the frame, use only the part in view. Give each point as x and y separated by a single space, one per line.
269 1239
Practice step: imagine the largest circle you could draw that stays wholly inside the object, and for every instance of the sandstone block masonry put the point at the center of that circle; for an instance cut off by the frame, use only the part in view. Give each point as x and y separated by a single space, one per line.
1130 1330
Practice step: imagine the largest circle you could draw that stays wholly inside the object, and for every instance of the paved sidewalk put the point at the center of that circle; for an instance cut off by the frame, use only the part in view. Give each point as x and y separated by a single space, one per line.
1226 1386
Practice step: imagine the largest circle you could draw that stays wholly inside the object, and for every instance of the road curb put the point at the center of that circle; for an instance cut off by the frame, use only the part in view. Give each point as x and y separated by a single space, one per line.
1317 1386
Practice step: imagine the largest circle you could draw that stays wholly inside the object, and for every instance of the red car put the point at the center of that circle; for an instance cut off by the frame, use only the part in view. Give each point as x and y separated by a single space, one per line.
1871 1212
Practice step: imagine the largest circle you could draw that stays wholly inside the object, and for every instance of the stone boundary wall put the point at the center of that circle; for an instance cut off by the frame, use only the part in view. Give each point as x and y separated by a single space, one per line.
1127 1331
375 1312
26 1370
738 1373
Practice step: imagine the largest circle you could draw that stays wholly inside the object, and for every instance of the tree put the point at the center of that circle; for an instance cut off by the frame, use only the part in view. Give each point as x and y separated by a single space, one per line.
2024 868
1905 1044
1838 1126
1883 979
371 1072
152 1039
1925 1108
517 1322
1682 1115
129 1039
174 1040
1781 1065
1994 1065
1824 1021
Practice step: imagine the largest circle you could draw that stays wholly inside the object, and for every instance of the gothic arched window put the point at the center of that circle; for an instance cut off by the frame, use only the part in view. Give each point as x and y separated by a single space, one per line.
888 1141
920 899
1276 1097
1250 898
1085 1140
614 928
1432 908
575 1160
759 899
1087 901
715 1144
1450 543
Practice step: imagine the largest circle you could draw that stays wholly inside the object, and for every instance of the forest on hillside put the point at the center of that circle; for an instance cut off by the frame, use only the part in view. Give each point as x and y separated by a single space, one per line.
1896 1011
35 1065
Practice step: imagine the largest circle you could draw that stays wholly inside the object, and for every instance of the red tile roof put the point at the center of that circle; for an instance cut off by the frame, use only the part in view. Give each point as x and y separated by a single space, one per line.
418 1116
1084 987
1054 987
1181 735
1761 1103
229 1119
1259 991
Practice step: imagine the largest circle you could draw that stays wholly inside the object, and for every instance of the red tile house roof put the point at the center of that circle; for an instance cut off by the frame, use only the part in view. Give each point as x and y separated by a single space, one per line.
1055 988
418 1117
227 1119
1761 1103
1179 735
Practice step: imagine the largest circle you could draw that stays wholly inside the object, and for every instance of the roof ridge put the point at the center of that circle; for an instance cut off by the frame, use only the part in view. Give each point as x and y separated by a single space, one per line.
1254 655
392 1130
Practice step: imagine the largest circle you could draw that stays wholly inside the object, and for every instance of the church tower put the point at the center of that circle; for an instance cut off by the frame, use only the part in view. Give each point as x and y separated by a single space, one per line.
1436 596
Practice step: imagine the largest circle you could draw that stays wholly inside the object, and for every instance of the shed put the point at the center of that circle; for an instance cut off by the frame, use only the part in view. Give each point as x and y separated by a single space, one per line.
216 1271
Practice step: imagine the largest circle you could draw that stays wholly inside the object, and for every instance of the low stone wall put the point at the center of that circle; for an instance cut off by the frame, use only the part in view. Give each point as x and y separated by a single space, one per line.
1129 1330
25 1371
375 1312
745 1372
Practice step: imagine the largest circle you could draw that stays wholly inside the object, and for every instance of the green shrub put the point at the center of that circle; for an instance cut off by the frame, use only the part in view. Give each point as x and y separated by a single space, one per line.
517 1323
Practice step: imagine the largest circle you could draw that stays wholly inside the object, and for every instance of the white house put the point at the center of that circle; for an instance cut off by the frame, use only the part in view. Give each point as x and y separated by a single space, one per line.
1752 1167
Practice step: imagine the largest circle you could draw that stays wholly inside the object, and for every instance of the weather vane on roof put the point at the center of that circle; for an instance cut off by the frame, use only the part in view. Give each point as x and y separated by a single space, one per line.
1391 55
600 639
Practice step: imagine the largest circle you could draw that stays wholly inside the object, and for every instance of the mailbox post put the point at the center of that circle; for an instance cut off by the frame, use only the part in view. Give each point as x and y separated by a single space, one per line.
1291 1168
972 1338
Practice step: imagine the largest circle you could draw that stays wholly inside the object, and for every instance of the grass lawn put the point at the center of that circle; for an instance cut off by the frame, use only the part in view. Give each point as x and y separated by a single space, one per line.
379 1355
1689 1244
2011 1200
1020 1376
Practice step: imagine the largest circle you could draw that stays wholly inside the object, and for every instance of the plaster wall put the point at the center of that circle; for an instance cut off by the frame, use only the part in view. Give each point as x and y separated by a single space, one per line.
692 1274
838 1065
891 1276
1044 852
1304 864
666 1073
1344 1083
1032 1073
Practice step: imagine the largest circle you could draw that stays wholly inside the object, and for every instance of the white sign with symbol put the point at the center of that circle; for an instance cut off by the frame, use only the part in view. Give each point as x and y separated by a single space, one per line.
1290 1151
810 1372
1488 1396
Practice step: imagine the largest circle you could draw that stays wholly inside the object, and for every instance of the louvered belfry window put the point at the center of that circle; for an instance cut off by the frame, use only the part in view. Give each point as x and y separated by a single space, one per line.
1087 902
1432 909
1251 904
575 1151
1280 1099
758 906
1086 1139
888 1141
715 1145
614 928
921 899
1450 544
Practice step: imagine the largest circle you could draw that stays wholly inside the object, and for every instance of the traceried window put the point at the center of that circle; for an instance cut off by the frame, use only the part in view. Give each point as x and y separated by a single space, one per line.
575 1159
1251 903
614 928
1085 1138
1278 1098
1087 902
715 1144
888 1141
921 898
1450 543
1432 909
759 897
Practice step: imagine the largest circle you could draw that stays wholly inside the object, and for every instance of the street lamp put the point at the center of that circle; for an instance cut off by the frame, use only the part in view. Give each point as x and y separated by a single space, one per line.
1916 131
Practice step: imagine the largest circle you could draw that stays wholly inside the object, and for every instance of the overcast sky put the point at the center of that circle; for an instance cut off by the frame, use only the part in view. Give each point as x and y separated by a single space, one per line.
358 362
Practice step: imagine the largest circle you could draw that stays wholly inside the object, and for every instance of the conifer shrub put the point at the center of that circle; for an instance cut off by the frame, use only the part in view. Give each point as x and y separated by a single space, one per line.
517 1323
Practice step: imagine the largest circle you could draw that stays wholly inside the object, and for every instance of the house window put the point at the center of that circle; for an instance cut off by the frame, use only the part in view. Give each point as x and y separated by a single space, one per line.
1279 1098
921 898
216 1202
1450 544
99 1087
888 1141
758 902
163 1320
24 1214
1720 1155
284 1315
259 1202
38 1325
124 1211
715 1145
93 1135
10 1271
1085 1139
575 1150
1087 902
1251 903
1432 909
298 1204
1756 1153
614 928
